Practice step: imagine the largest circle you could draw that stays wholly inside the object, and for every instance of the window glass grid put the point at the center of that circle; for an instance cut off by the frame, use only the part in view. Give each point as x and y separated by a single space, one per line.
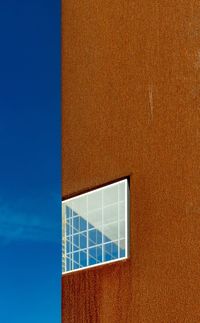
100 245
96 232
74 214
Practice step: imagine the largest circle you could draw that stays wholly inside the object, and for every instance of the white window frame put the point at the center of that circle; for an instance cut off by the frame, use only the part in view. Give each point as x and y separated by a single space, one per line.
127 229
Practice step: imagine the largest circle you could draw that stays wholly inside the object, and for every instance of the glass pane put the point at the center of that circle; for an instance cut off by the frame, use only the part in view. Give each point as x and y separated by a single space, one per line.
107 251
68 212
111 231
69 245
93 256
92 237
76 257
68 264
95 218
110 214
83 241
76 241
99 253
121 210
122 248
76 266
83 258
95 201
122 229
114 250
122 191
83 224
110 195
76 222
94 227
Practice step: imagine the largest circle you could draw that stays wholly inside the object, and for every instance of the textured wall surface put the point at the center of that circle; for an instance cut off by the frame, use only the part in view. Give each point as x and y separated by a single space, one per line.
131 106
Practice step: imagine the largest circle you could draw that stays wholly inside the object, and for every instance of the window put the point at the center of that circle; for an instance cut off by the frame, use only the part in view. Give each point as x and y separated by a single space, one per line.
95 227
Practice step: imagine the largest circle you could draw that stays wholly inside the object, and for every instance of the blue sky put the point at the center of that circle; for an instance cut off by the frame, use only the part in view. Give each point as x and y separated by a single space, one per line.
30 158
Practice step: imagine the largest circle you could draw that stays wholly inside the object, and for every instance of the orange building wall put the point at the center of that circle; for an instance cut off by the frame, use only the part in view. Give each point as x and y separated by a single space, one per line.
131 106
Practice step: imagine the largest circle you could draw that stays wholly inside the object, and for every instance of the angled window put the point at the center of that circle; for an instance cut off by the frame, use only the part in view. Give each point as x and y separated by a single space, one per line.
95 227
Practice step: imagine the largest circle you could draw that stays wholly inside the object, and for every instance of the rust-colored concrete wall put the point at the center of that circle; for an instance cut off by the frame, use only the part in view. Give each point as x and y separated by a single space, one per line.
131 106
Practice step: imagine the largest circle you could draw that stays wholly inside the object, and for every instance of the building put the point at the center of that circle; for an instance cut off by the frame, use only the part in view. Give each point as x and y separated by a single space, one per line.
130 98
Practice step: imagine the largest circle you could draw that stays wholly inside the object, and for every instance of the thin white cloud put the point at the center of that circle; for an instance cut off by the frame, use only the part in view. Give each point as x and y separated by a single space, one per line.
20 225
